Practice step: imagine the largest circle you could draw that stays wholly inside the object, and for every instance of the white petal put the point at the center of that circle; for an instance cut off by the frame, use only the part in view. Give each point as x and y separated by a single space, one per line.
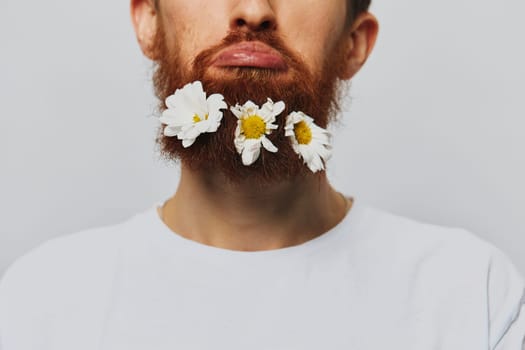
252 143
313 154
289 126
197 90
239 143
268 145
187 142
184 101
270 110
270 127
196 98
171 131
203 126
320 139
319 132
319 164
237 111
250 155
316 164
179 115
166 121
214 121
238 129
278 108
309 120
171 101
296 148
215 115
191 133
290 120
247 109
168 116
307 152
216 102
212 125
249 105
186 127
266 110
325 153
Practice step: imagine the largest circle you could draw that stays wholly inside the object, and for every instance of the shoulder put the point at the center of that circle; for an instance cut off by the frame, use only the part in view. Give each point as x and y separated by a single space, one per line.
506 302
464 270
62 254
426 240
66 280
62 266
455 247
58 261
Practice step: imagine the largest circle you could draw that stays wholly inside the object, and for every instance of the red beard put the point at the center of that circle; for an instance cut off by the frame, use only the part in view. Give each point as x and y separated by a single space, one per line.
300 90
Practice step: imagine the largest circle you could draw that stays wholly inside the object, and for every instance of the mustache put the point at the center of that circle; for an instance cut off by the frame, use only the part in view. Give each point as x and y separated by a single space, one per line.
271 39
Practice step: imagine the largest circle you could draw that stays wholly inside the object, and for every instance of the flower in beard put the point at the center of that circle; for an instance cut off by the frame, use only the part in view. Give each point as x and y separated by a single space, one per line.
309 141
253 125
190 113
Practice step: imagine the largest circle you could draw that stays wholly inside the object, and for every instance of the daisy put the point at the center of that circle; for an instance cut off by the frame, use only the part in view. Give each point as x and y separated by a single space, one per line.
253 125
309 141
190 113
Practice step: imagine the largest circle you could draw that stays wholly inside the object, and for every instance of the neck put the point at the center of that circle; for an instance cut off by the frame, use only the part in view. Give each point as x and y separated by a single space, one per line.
208 209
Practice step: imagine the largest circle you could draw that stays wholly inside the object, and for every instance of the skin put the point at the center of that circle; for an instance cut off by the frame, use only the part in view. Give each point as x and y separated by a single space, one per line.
244 217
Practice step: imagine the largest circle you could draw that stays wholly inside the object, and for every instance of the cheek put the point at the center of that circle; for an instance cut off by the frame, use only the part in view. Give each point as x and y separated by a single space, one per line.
189 31
313 47
316 38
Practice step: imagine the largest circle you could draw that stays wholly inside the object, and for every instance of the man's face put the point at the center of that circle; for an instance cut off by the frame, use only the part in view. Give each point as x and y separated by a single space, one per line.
289 50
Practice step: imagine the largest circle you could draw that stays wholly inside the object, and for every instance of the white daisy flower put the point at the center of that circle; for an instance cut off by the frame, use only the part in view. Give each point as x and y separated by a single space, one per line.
253 125
309 141
190 113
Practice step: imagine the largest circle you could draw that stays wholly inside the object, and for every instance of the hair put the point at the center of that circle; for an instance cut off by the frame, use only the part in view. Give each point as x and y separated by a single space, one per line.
315 94
355 8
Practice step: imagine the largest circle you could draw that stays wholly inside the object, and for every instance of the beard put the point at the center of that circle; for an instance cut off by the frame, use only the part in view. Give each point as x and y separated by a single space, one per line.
316 95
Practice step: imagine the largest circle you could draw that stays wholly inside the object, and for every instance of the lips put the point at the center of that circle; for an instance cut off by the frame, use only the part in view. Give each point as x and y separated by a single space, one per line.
250 54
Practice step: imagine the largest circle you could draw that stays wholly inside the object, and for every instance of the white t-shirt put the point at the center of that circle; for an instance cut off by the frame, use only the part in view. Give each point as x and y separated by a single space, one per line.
375 281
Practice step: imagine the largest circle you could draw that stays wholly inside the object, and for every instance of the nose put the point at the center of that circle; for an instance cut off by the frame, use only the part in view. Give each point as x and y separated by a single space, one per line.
253 15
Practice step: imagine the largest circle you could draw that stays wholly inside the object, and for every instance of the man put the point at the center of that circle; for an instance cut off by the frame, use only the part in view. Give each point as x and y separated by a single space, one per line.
256 250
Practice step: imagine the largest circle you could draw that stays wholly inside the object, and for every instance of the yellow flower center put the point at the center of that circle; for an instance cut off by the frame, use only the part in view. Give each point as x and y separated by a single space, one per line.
303 133
197 119
253 127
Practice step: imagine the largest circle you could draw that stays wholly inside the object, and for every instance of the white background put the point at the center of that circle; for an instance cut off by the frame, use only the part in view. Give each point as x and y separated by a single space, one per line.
434 130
